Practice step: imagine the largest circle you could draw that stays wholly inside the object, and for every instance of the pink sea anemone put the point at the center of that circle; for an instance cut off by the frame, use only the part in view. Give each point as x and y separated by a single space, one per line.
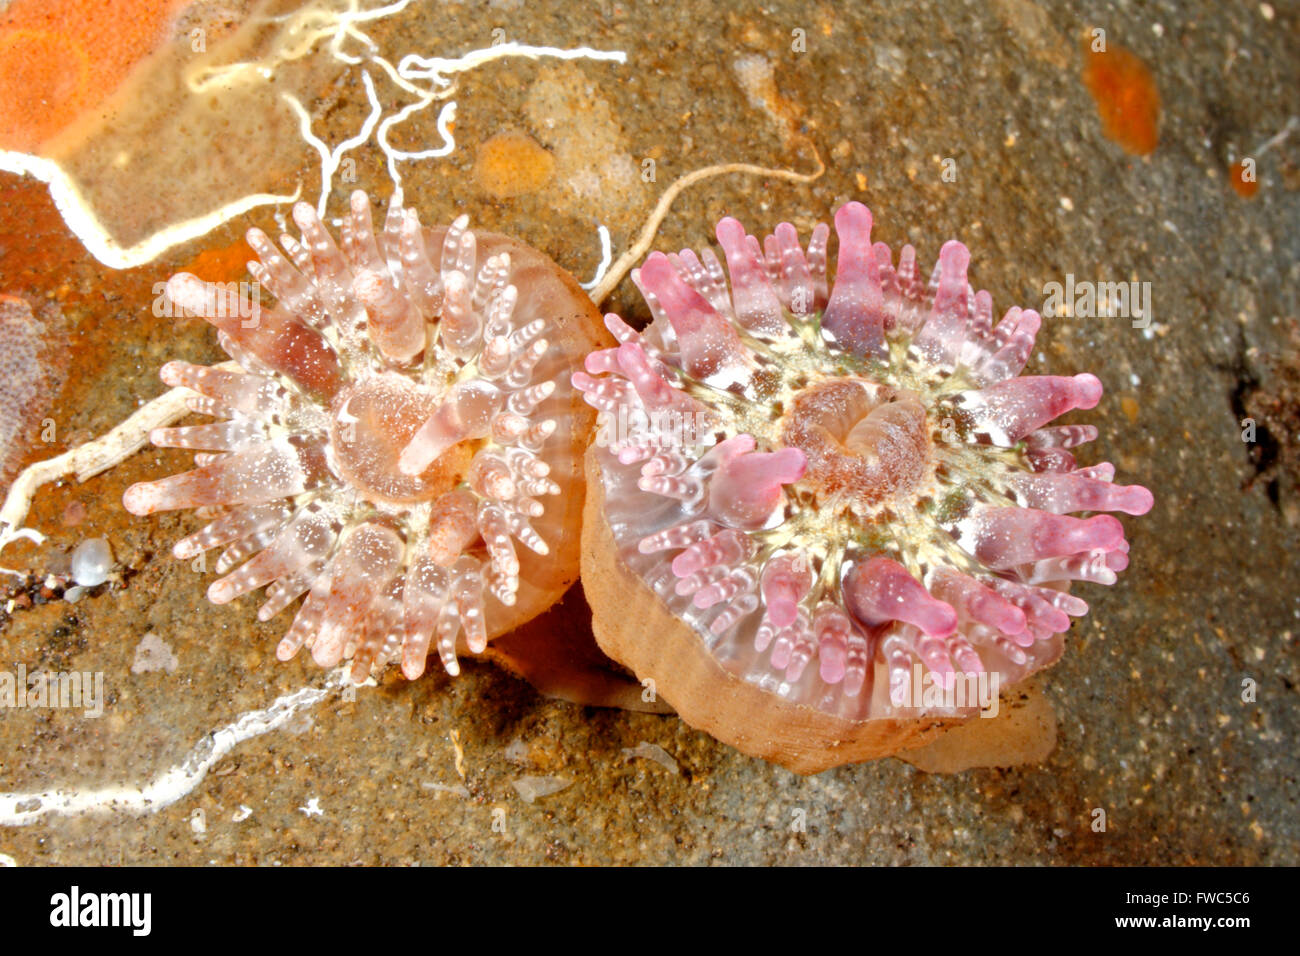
399 440
802 495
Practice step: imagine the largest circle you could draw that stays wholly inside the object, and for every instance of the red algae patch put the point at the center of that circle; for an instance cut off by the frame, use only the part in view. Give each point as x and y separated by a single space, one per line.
512 164
38 245
1126 97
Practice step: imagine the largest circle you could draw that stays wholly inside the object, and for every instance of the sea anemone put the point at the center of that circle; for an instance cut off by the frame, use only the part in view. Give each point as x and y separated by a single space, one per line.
399 441
800 499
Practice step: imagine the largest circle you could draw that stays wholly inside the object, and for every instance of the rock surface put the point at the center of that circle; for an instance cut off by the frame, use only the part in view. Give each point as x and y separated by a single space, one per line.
1153 725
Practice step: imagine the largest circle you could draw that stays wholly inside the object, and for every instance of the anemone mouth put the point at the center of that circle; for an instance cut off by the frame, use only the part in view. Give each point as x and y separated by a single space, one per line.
866 443
371 422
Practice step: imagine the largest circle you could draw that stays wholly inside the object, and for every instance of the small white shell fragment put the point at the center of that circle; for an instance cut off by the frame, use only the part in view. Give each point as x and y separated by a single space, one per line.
92 560
459 789
517 751
530 788
649 751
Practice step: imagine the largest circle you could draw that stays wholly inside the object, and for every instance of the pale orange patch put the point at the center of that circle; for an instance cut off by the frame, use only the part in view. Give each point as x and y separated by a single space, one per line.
222 265
512 164
1243 187
1129 406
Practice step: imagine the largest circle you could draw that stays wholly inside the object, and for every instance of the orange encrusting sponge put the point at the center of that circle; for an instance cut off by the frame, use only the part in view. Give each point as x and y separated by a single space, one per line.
1126 97
61 58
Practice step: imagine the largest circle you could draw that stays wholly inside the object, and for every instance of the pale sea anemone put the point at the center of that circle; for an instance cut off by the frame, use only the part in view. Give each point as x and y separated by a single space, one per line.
399 442
802 496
